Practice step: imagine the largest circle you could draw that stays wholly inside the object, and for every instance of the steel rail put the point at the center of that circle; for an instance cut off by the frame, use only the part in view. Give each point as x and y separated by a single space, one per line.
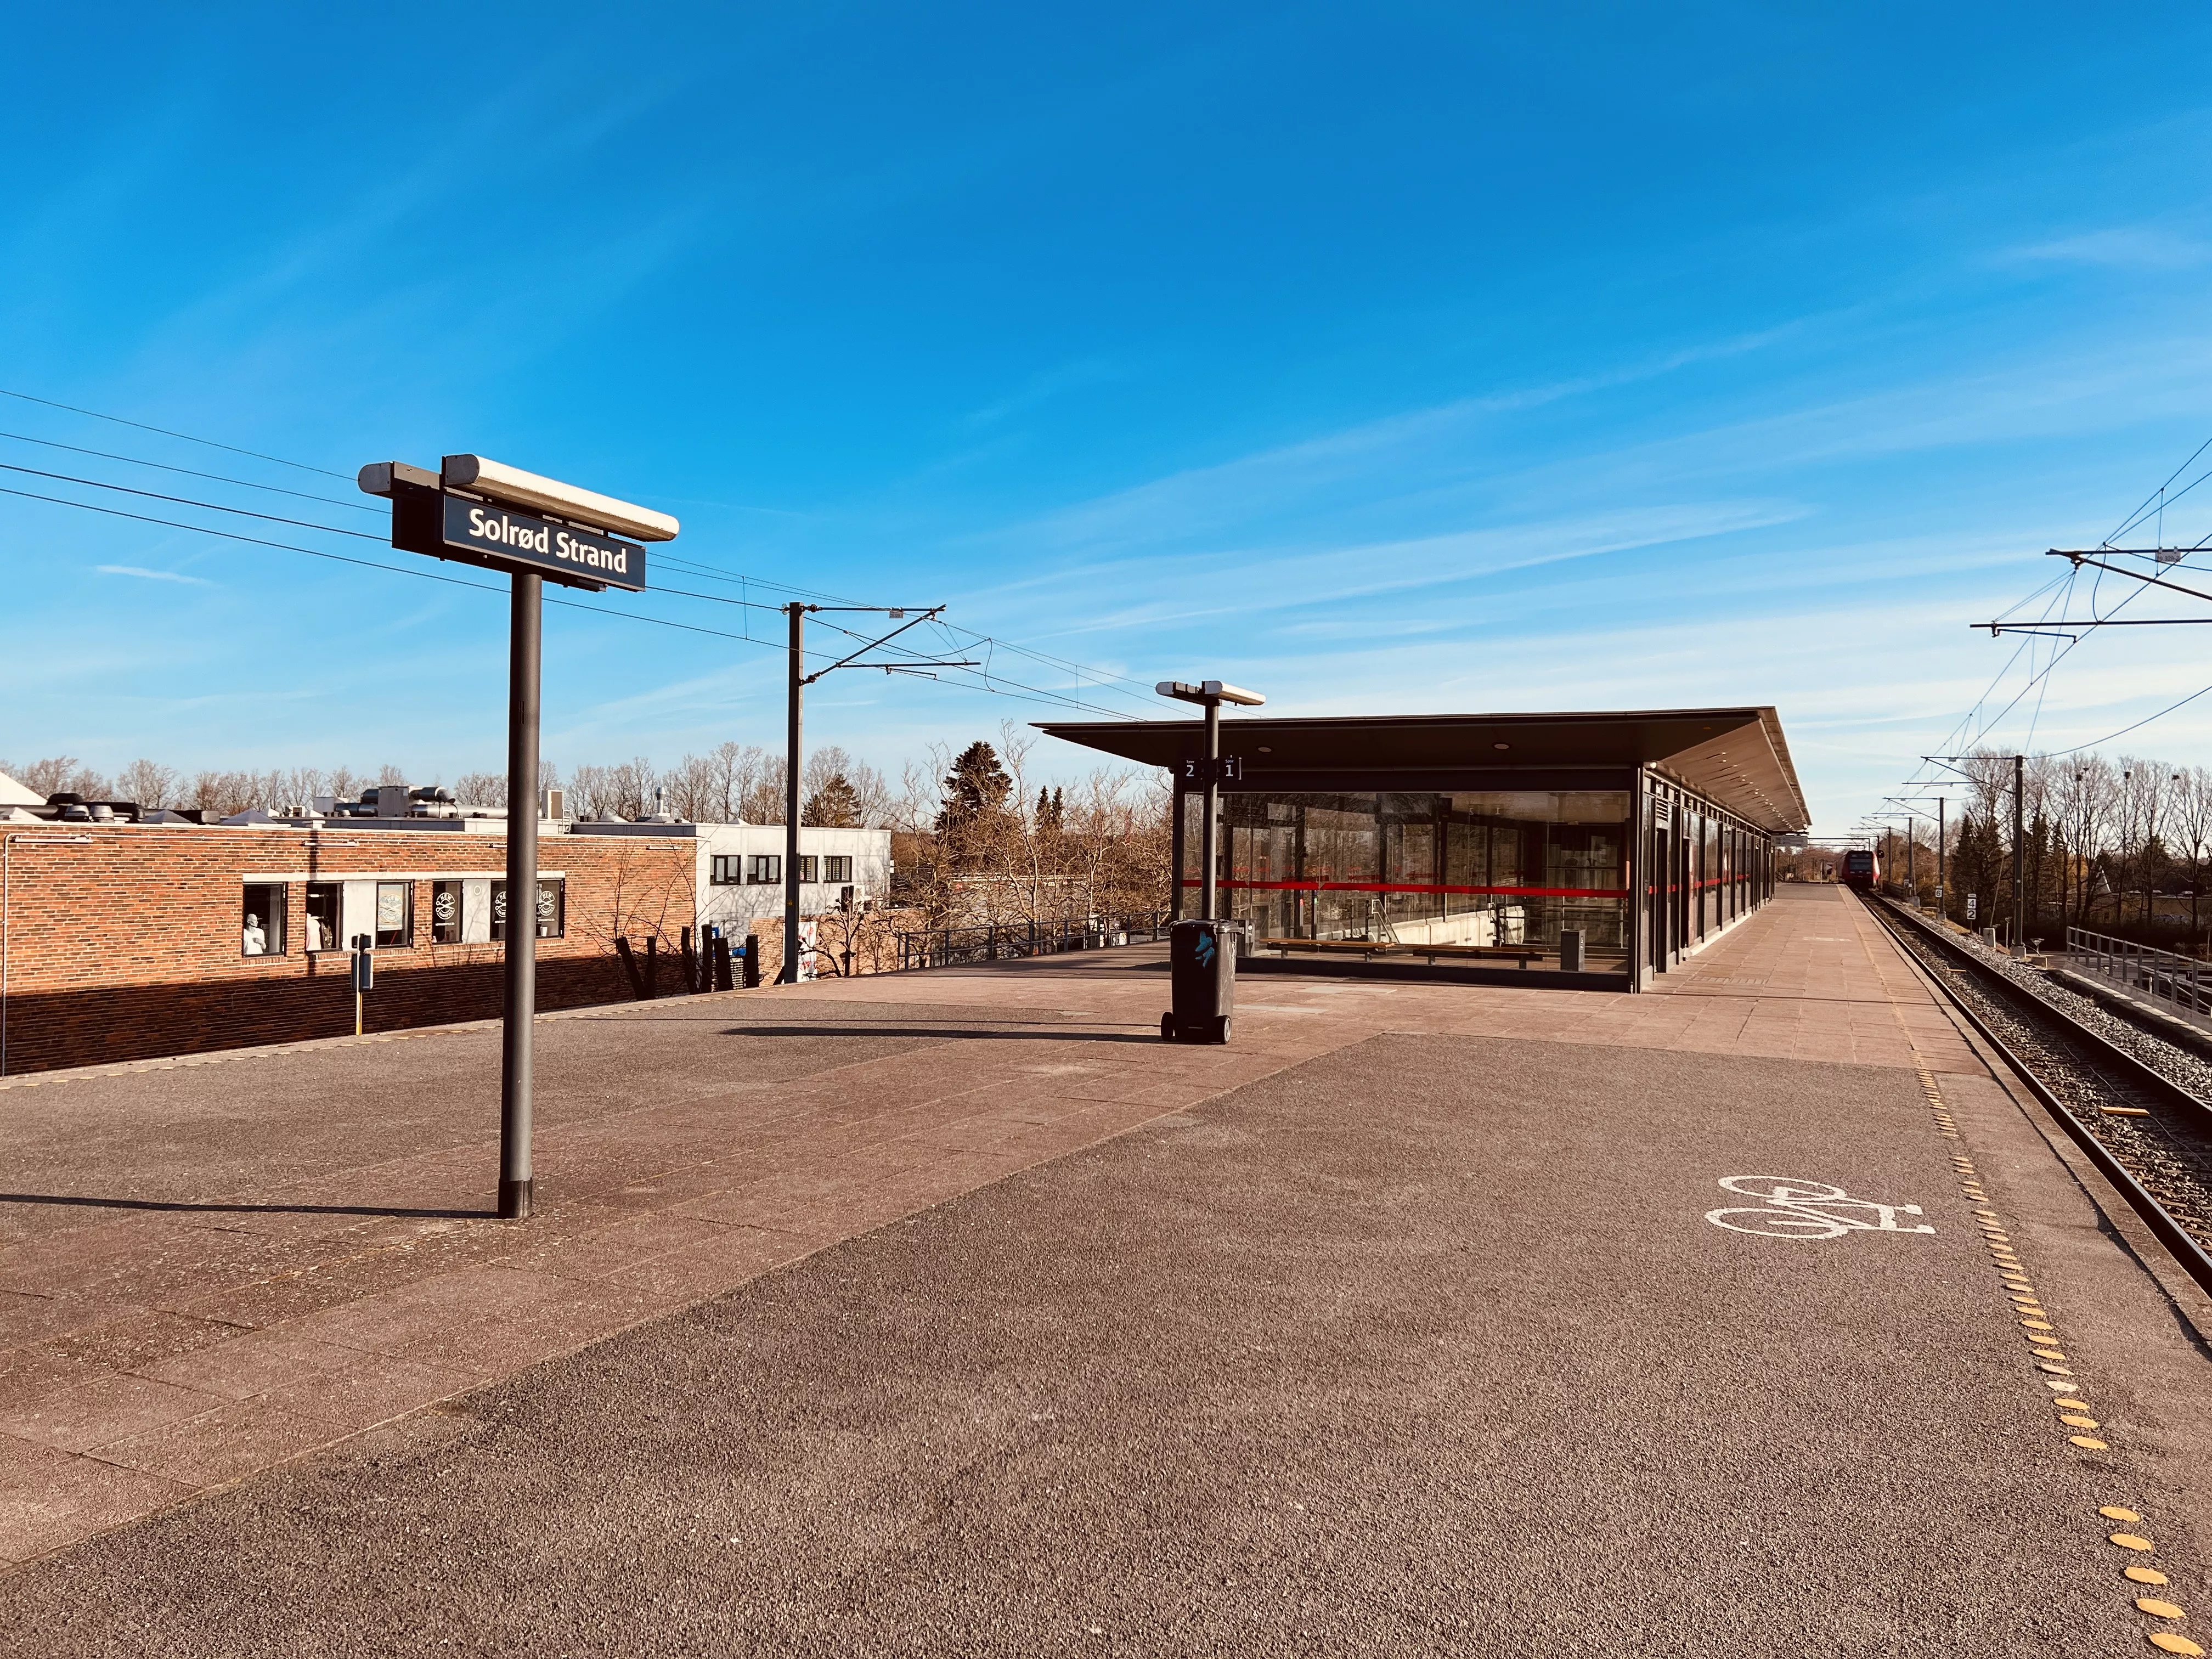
2190 1255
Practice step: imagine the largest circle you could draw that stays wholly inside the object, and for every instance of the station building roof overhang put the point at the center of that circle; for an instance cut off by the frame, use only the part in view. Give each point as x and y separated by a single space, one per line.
1736 758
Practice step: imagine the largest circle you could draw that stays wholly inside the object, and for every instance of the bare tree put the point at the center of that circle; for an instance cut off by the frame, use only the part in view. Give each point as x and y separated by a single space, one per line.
590 792
63 775
221 794
738 769
625 790
147 782
298 786
489 789
763 801
861 795
632 782
694 788
481 788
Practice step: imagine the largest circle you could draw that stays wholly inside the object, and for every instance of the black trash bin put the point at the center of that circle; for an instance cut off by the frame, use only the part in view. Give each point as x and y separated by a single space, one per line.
1202 981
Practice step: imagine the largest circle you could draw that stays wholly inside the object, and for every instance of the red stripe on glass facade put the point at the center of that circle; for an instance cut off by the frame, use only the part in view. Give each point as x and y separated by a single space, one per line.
1411 887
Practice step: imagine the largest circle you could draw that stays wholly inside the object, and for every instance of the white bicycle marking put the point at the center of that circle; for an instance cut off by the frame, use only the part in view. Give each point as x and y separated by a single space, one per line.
1807 1209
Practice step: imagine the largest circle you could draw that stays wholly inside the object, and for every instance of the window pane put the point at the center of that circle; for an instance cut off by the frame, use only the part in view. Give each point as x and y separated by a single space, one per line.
395 915
261 927
446 912
1502 873
324 901
551 909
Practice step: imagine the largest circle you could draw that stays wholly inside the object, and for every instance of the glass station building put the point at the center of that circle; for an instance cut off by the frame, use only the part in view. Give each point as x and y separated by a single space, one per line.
1588 850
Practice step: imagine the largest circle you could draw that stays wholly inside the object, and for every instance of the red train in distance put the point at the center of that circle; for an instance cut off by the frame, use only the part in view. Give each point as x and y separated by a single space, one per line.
1861 870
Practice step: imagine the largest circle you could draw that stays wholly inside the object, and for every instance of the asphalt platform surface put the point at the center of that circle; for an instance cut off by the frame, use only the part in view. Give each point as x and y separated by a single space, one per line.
1422 1346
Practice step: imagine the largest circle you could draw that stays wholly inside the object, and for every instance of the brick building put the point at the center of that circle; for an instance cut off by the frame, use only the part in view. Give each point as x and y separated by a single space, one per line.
125 941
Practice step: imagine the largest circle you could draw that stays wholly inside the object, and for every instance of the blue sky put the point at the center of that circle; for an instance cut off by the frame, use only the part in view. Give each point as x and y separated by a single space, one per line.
1386 358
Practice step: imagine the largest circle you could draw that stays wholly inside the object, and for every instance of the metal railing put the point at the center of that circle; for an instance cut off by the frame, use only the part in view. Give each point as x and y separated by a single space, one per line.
2180 982
954 947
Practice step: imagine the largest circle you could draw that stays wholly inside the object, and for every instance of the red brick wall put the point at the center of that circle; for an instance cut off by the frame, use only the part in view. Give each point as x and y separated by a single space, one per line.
126 946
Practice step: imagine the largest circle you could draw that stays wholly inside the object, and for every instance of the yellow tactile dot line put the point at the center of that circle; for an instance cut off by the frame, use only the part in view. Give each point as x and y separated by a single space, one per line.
2042 1338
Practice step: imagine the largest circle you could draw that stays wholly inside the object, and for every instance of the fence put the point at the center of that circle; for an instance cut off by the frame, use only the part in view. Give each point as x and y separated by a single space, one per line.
2176 980
951 947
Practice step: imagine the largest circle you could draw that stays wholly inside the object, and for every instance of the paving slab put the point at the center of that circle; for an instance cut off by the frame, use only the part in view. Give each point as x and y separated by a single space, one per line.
1445 1243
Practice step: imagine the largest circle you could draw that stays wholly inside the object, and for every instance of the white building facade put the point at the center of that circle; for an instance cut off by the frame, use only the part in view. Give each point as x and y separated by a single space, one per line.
740 876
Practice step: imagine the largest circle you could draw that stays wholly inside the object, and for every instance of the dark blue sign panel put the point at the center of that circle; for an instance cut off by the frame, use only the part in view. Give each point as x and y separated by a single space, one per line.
500 535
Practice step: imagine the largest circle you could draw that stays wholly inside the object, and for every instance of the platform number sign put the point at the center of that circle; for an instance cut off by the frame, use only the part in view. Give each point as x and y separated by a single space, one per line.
1229 769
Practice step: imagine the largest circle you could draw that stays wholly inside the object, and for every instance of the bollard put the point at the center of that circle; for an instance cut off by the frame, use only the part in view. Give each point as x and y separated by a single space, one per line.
752 962
722 975
364 973
1571 950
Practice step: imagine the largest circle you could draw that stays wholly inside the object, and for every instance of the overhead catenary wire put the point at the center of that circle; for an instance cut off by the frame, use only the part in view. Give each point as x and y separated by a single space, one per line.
94 414
959 636
998 684
1022 692
189 471
2158 499
1976 724
191 500
367 564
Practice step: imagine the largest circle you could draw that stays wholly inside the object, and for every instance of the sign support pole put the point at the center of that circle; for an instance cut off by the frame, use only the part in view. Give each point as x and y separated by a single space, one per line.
525 652
789 976
1210 829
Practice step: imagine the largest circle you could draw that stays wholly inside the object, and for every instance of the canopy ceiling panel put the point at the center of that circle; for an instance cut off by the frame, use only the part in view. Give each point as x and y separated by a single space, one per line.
1735 756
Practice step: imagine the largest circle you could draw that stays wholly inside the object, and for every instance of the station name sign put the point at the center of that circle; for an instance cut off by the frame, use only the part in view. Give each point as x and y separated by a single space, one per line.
558 549
427 520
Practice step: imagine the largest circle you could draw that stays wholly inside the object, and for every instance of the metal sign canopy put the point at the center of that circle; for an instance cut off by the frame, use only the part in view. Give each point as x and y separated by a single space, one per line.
481 512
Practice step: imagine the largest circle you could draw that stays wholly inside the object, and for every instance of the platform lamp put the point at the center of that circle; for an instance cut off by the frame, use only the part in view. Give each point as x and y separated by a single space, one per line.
1210 695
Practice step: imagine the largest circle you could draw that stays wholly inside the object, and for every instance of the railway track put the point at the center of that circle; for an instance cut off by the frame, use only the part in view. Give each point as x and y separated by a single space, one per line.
2150 1135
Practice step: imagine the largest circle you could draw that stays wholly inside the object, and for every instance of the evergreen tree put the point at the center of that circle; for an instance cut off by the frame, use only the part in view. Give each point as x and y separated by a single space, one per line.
835 805
973 813
975 789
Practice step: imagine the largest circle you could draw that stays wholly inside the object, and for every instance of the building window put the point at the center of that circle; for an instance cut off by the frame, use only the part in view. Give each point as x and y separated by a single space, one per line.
446 912
726 869
552 909
395 915
1476 875
261 927
836 869
325 904
806 863
764 866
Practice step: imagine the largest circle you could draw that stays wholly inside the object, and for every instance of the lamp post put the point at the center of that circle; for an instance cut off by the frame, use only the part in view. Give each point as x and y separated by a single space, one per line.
1210 695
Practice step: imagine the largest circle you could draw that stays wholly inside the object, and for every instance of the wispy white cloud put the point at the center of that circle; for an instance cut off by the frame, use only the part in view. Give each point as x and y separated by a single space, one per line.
144 575
2121 248
1247 582
1043 387
1380 459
